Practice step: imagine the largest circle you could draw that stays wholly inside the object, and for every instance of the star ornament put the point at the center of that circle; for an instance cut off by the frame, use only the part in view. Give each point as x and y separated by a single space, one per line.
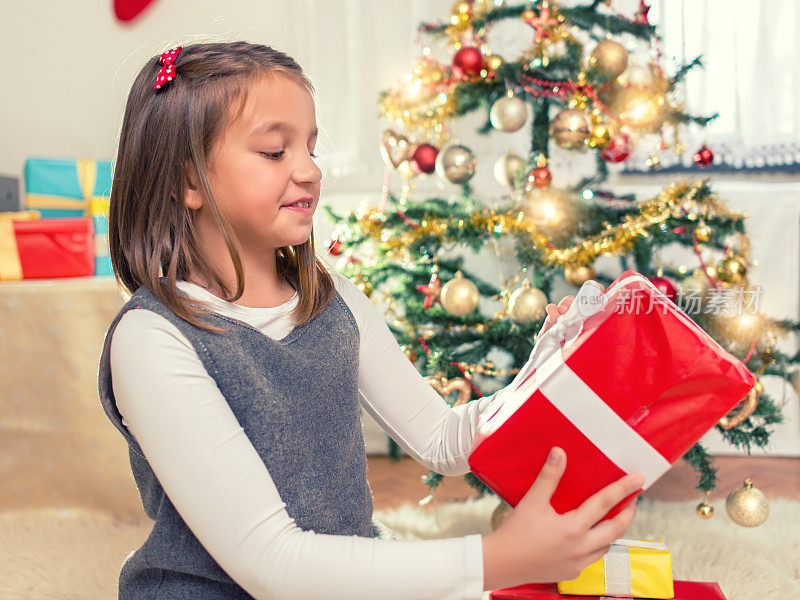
543 23
641 14
432 291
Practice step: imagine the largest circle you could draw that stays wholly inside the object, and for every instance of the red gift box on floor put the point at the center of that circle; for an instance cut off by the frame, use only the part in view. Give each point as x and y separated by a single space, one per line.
624 382
684 590
31 247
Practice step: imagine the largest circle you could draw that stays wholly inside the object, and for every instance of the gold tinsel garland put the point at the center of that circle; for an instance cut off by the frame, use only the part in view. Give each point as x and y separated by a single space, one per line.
677 200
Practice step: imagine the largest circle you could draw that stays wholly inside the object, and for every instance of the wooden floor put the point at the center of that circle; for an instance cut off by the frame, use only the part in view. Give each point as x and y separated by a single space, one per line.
397 483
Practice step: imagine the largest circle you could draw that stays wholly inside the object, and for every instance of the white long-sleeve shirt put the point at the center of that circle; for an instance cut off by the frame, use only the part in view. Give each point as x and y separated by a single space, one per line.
223 490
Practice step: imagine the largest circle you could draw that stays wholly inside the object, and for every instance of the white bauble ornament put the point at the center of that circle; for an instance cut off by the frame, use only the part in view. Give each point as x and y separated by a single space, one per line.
507 167
508 114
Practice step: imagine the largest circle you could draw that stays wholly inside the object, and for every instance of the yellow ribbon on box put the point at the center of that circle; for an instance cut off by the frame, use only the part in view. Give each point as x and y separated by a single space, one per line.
87 177
631 569
10 266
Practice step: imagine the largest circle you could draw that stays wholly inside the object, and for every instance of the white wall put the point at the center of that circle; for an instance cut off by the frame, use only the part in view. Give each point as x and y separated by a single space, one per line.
67 68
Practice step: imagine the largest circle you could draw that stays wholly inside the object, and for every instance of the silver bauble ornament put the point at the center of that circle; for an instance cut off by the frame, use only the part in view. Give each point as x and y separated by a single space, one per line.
456 164
508 114
507 167
527 303
459 296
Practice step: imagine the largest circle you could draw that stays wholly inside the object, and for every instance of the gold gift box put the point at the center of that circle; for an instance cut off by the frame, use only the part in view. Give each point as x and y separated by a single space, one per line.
631 569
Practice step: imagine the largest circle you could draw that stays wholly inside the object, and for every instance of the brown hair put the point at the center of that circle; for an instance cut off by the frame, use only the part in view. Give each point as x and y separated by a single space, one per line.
151 231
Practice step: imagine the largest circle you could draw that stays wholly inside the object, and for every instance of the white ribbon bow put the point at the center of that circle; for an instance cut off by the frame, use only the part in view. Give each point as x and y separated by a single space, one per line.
589 300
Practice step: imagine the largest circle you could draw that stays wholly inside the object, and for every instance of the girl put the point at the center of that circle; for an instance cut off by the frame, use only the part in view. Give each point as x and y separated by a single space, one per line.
236 368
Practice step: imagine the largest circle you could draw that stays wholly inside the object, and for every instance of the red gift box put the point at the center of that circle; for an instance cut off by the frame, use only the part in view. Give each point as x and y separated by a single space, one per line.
32 248
624 382
684 590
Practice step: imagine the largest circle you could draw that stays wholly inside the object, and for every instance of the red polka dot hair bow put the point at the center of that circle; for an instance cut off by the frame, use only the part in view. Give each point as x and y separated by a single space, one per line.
167 72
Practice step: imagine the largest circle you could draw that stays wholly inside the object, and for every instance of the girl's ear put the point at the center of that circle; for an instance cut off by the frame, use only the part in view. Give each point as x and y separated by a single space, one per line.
193 196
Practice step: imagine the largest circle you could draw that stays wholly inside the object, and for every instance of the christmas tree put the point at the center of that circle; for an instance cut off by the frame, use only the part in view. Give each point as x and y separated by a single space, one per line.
589 83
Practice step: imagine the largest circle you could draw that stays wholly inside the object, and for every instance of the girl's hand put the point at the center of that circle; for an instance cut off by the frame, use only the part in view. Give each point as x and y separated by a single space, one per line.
554 311
536 544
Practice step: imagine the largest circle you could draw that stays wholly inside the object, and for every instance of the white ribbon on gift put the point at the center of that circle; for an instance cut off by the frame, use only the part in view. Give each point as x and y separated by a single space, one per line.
617 565
618 441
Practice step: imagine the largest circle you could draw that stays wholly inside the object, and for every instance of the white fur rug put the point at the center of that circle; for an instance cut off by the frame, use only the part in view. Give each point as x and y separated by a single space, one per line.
74 554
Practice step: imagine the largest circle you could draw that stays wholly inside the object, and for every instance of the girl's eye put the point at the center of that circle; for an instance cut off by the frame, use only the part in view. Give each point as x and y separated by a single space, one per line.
272 155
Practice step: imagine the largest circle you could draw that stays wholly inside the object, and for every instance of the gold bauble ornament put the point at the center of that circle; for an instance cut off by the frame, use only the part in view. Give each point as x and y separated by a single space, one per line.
610 58
459 295
702 233
456 164
705 510
500 514
747 506
570 128
578 274
600 137
543 206
641 108
364 284
508 114
508 167
527 303
731 269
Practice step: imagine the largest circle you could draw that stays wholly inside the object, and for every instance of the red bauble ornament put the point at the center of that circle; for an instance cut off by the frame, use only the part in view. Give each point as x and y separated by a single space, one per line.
333 246
467 62
618 149
423 158
666 287
540 177
703 157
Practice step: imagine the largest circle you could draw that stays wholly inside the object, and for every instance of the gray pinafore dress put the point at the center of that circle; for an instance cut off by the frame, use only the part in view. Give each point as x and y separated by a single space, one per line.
297 401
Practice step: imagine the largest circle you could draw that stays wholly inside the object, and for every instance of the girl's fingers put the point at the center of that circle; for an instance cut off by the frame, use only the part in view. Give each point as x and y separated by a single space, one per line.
565 303
552 312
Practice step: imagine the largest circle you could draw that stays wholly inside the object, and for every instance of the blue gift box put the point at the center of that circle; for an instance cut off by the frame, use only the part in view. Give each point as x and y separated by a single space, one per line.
73 187
102 260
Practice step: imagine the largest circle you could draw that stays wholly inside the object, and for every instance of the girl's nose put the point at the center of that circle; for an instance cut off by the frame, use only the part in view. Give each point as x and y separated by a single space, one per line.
308 171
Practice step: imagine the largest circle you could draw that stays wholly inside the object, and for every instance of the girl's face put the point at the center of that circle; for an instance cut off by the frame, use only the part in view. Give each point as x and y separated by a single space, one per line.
263 161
